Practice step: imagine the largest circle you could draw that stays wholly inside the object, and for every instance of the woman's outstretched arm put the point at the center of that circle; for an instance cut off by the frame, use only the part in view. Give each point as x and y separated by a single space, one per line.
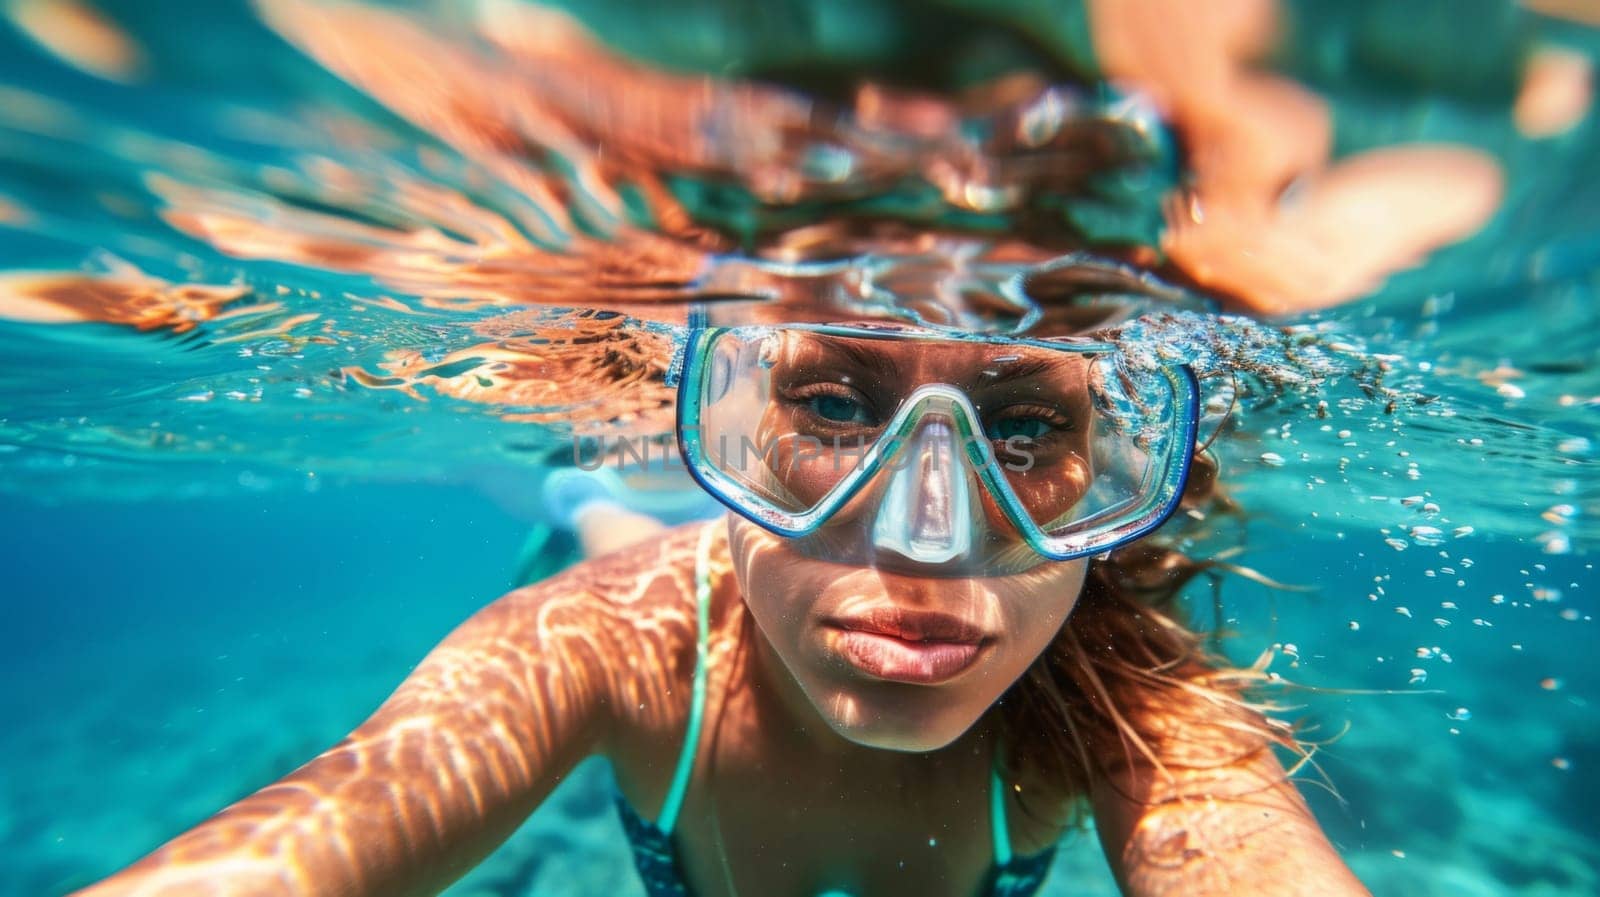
470 743
1236 828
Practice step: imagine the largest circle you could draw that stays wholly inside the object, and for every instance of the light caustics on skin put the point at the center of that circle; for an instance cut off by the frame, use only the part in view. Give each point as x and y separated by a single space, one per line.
494 701
472 741
504 695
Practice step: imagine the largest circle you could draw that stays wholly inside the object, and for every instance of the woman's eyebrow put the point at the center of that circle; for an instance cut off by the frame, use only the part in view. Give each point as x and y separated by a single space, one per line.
1017 368
877 362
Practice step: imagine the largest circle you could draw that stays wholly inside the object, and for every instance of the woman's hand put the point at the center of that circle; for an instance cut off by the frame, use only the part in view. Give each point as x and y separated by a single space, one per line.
1238 828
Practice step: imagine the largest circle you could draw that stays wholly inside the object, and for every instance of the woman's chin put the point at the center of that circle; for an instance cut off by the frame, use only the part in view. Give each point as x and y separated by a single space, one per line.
913 724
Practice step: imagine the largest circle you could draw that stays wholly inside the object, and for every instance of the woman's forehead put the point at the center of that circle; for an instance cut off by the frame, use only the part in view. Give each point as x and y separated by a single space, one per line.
912 362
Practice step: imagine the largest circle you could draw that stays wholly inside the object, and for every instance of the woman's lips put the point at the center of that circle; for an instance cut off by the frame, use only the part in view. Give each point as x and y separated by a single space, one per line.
907 646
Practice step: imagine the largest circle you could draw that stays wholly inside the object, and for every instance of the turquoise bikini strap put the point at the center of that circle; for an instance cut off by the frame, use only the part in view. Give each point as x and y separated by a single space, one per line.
697 697
997 818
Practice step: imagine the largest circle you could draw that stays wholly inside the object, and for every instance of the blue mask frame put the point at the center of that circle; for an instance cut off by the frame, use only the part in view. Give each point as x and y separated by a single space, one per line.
1160 497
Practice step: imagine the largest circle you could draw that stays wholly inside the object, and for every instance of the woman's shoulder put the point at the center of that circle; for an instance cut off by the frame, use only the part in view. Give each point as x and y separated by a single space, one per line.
652 580
623 626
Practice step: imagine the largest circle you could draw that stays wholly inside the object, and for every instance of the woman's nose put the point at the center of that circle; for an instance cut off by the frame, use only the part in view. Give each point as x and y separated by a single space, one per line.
926 512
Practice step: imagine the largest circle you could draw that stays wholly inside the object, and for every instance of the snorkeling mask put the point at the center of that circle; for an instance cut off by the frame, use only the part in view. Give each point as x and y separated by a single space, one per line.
952 453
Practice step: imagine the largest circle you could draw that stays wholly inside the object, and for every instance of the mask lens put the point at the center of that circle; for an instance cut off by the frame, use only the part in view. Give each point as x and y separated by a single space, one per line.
795 412
1054 442
1135 434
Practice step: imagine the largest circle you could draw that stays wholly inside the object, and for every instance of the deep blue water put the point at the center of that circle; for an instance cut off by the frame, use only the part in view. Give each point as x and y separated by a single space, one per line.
168 657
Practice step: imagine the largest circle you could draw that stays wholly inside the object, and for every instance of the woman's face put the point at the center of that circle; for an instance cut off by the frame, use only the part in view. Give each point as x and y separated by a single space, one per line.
896 652
890 659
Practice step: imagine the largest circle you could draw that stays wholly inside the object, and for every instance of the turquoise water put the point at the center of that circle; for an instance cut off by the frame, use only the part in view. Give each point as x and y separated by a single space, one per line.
236 514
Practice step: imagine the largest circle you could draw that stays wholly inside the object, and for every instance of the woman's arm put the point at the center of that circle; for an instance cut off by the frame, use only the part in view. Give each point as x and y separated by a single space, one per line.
469 744
1241 828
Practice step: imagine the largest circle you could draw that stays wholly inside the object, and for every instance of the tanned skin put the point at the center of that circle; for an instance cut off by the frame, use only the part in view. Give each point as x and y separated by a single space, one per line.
599 660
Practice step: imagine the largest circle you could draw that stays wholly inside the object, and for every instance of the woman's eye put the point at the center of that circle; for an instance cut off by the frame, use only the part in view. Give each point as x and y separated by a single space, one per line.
1024 427
838 409
1023 423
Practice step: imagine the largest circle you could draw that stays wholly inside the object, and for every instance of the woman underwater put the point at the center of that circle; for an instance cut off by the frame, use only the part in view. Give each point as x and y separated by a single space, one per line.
930 633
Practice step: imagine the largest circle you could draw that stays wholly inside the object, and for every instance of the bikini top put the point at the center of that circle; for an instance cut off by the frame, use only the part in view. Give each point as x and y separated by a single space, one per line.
656 855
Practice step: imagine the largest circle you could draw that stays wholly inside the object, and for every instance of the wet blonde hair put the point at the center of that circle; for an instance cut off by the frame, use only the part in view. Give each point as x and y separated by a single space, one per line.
1127 682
